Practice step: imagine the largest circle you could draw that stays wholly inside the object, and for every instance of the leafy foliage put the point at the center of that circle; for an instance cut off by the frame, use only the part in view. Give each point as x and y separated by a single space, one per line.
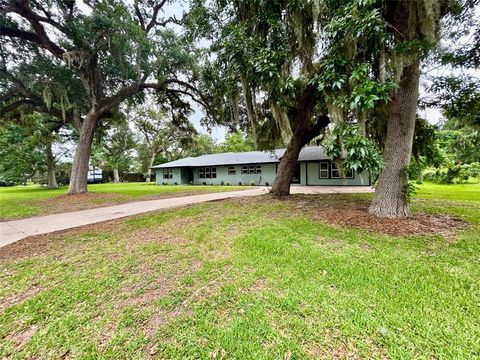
236 142
20 156
454 174
353 151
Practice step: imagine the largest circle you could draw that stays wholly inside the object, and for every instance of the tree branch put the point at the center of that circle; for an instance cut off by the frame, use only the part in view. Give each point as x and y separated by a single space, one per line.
22 8
22 34
153 20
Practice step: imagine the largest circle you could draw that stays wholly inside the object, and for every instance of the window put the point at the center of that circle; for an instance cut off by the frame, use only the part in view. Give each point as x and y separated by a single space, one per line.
252 169
336 173
323 170
207 173
168 173
232 170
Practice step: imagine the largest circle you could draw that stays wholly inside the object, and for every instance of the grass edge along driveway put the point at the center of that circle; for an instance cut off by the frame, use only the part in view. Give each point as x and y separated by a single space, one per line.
32 200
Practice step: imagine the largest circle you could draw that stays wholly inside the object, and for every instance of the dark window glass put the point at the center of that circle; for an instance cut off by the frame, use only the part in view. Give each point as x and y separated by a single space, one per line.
214 173
323 170
244 169
232 170
168 173
201 174
258 169
207 173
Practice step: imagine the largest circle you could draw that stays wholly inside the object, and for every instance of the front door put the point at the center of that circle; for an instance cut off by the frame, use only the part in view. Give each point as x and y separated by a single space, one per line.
296 174
190 175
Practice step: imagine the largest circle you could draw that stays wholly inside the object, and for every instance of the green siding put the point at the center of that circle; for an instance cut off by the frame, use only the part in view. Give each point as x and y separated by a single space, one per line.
267 176
177 177
308 176
314 179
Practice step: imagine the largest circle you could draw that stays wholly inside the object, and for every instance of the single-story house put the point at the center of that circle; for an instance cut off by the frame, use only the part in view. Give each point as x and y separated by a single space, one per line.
258 167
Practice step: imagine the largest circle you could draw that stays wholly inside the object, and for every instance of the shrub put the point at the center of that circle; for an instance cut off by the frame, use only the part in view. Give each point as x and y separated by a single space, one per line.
222 183
252 183
228 184
204 183
453 174
240 183
176 183
190 183
266 183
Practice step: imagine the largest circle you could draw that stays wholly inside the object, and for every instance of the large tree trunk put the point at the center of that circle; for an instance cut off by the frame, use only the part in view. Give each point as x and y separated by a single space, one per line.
51 178
301 136
286 168
78 178
390 199
149 170
116 177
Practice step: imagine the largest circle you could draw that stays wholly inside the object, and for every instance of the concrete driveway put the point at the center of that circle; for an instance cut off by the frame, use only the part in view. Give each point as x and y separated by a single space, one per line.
12 231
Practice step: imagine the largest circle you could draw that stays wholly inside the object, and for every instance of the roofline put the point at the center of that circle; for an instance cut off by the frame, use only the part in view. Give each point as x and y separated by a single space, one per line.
214 164
273 160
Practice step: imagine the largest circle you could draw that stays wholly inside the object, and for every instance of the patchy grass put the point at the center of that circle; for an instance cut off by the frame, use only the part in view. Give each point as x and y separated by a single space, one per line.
31 200
257 278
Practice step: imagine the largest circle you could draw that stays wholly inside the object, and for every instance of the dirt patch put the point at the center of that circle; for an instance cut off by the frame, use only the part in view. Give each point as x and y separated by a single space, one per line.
68 203
22 337
356 215
19 297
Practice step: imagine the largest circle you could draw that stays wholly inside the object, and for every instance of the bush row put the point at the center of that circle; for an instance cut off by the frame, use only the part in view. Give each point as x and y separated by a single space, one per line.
453 174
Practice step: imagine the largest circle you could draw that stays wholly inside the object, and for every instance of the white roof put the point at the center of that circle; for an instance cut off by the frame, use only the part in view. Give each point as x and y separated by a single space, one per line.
308 153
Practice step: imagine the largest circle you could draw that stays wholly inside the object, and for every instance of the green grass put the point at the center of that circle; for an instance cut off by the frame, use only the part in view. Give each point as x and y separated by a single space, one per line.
31 200
247 279
459 200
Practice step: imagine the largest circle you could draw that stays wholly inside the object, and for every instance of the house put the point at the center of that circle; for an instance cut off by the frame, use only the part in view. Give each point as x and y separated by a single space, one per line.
258 167
94 175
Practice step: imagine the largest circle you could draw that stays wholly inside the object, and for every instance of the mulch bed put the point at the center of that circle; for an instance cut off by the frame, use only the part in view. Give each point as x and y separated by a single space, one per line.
356 215
342 210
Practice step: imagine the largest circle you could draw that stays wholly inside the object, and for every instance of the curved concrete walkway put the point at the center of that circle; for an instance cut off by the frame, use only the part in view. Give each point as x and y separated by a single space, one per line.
12 231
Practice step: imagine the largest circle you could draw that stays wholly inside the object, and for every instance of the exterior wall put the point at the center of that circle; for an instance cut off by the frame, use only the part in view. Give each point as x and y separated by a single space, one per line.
313 177
308 176
267 176
177 177
303 173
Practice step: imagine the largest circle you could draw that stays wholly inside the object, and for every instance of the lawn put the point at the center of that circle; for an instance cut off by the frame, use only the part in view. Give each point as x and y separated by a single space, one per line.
24 201
256 278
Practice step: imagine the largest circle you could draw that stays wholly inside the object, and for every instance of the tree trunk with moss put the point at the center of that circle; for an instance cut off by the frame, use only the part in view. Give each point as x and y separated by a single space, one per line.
51 178
149 169
116 176
79 175
305 129
391 198
286 168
